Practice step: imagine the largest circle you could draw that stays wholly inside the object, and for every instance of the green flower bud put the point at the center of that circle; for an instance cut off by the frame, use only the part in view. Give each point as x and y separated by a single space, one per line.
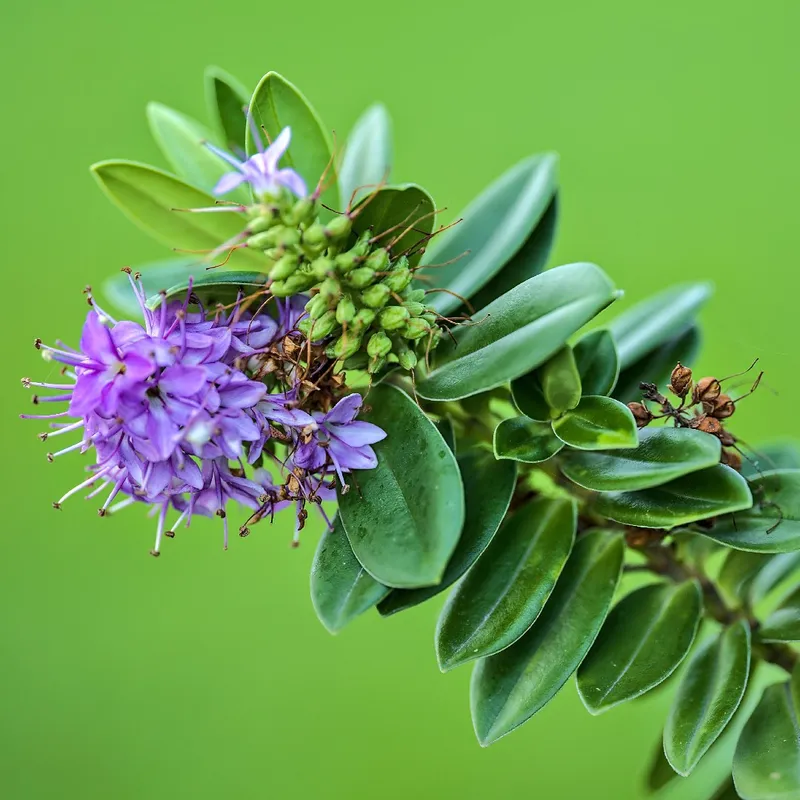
321 267
285 266
260 224
364 318
361 277
345 346
379 345
302 212
339 227
415 309
278 236
378 260
429 317
331 290
407 359
316 306
347 261
314 236
260 241
394 317
323 326
358 361
346 310
397 280
415 296
298 282
304 325
362 246
416 328
376 295
376 364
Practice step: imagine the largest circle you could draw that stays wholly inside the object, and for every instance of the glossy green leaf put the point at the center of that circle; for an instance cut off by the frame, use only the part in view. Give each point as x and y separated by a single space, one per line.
766 765
445 427
772 525
783 624
769 457
597 423
700 495
663 454
506 589
367 156
151 198
522 439
778 567
708 695
751 576
530 260
407 209
404 517
214 287
561 381
657 365
277 104
492 230
156 276
644 639
650 324
517 332
510 687
598 362
182 141
529 397
659 773
227 101
341 589
488 487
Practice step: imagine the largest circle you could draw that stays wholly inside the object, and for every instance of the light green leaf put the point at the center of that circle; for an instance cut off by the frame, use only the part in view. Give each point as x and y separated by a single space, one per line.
492 230
783 624
751 576
561 382
151 198
405 518
214 287
777 568
510 687
650 324
506 589
708 695
663 454
227 101
529 397
769 457
700 495
517 332
597 423
367 156
341 589
156 276
659 773
488 487
644 639
766 765
277 104
522 439
772 525
598 362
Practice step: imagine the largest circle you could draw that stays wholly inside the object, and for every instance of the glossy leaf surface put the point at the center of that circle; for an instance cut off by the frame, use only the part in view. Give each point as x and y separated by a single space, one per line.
529 397
597 423
783 624
522 439
561 381
227 101
367 156
597 361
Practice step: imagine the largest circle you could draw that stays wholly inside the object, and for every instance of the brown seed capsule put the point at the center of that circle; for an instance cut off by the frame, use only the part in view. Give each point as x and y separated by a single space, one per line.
706 390
707 425
721 408
727 439
732 458
641 413
680 382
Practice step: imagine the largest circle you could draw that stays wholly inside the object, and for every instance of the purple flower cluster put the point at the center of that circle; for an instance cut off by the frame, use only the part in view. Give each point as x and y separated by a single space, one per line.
176 416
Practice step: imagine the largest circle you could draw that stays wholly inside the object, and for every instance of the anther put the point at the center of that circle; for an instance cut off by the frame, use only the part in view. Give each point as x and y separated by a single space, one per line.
169 534
26 383
244 531
155 553
37 343
101 512
51 458
57 506
43 436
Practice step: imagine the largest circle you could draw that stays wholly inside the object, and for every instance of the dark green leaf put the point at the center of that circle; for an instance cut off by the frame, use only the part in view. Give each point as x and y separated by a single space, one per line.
708 695
277 104
598 363
700 495
529 261
561 382
727 791
783 624
151 198
529 397
404 519
659 773
341 588
214 287
777 568
407 208
492 230
597 423
488 487
767 761
156 276
510 687
663 454
227 101
522 439
506 589
769 457
644 639
445 427
650 324
367 156
517 332
772 525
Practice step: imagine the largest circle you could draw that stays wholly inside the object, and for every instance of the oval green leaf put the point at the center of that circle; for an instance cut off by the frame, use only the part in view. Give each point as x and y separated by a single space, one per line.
700 495
650 324
152 199
644 639
749 577
492 230
708 695
367 156
404 517
488 487
213 287
341 589
783 624
772 524
561 381
597 361
510 687
506 589
227 101
766 765
522 439
517 332
597 423
155 276
529 397
663 454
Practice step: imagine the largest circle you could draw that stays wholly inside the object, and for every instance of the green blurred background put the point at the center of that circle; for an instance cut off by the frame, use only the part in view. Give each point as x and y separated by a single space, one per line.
204 673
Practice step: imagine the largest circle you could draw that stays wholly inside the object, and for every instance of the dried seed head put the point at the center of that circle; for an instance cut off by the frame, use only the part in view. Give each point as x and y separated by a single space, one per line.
732 458
706 390
707 425
680 382
721 408
641 413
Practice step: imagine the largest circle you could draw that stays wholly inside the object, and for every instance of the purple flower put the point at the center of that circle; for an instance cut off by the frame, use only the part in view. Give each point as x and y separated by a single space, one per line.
261 170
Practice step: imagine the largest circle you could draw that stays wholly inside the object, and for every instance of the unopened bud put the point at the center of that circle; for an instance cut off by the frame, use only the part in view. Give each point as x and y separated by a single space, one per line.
376 364
641 413
379 345
680 382
378 260
294 284
415 309
346 310
407 359
330 290
375 296
278 236
397 280
303 211
361 277
345 346
415 296
358 361
347 261
322 267
393 317
260 224
416 328
314 236
285 266
316 306
339 227
323 327
364 318
706 390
